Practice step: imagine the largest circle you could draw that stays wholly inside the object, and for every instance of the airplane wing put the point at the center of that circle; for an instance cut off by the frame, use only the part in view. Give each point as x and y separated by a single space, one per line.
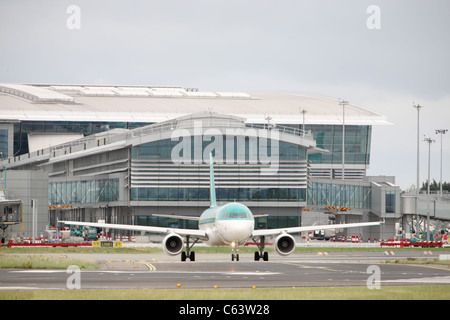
176 217
273 232
160 230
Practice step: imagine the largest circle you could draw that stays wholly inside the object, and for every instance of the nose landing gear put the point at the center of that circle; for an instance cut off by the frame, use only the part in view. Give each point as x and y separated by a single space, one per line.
234 255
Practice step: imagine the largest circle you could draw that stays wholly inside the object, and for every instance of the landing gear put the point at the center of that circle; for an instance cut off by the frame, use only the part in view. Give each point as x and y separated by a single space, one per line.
261 253
234 255
264 256
188 253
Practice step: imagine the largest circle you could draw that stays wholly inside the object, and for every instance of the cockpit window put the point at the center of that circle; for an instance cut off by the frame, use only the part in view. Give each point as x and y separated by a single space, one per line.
236 215
235 211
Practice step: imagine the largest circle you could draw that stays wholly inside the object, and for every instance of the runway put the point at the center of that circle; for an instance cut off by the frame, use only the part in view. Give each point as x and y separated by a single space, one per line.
140 271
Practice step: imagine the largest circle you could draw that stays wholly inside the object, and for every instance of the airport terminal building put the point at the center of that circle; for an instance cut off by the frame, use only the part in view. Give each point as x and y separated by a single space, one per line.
123 154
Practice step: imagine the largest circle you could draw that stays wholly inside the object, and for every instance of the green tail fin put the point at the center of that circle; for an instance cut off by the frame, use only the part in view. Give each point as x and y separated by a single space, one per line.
212 188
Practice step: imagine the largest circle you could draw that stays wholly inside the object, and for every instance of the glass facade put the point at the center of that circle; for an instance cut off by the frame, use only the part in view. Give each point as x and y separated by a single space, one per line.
64 193
269 222
222 194
170 185
3 143
330 194
162 149
22 129
329 137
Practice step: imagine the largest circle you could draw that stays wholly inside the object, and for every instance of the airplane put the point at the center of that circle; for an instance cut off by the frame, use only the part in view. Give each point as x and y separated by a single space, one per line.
231 224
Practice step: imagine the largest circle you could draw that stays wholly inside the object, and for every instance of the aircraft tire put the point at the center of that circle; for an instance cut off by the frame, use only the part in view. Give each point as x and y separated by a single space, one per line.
192 256
266 256
257 257
183 256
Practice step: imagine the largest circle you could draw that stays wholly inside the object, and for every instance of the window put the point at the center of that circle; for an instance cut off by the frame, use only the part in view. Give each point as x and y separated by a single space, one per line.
62 193
390 201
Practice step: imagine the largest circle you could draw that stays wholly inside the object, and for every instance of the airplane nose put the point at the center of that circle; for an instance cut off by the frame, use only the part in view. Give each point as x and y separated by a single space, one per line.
236 232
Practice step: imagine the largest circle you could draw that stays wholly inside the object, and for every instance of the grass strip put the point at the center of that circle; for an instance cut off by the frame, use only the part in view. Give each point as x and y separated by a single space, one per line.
41 262
204 249
330 293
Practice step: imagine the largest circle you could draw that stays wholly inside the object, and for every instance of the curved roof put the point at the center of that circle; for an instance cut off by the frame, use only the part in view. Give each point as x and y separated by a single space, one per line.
156 104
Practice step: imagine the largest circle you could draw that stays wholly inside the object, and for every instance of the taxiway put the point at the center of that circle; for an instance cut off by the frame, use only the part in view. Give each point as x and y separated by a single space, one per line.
141 271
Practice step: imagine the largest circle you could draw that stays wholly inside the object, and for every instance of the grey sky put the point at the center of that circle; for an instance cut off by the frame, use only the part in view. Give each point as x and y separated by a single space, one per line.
312 47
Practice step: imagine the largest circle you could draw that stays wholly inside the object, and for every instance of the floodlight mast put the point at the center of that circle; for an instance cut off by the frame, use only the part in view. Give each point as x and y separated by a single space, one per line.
430 141
343 103
441 132
418 107
303 111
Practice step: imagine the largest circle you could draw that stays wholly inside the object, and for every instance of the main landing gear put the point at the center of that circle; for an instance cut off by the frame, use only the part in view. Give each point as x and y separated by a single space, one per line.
261 254
188 254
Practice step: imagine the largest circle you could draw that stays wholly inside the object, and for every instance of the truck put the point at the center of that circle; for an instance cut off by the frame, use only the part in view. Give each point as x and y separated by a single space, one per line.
88 233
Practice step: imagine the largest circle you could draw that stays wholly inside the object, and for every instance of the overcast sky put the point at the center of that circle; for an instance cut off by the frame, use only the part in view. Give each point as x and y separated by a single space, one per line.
382 60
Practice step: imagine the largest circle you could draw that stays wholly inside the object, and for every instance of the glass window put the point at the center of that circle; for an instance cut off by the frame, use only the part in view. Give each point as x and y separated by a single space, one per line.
151 194
222 194
232 194
163 194
173 193
203 194
390 201
243 194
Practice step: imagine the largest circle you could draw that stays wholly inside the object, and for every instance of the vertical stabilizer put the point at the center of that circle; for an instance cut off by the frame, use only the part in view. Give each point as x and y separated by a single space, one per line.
212 188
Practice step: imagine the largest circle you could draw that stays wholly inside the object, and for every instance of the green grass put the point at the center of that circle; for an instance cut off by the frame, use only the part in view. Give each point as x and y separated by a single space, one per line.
420 261
34 261
65 250
337 293
40 262
202 249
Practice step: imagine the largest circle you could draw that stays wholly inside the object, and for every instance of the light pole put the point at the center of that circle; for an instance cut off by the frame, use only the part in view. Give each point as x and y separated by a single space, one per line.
430 141
343 103
303 111
441 132
418 107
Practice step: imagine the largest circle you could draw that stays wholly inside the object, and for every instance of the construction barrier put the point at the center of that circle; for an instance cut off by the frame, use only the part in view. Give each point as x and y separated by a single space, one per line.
126 238
406 243
61 244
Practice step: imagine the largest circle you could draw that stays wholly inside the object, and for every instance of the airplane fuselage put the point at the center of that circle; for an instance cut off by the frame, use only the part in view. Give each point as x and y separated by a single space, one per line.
229 224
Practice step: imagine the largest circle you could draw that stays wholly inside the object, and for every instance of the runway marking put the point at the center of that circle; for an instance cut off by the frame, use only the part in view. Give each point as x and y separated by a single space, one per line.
251 273
313 267
445 280
147 264
150 267
19 288
38 271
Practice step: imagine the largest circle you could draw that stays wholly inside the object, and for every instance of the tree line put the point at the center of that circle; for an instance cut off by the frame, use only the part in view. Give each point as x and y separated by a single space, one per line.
434 186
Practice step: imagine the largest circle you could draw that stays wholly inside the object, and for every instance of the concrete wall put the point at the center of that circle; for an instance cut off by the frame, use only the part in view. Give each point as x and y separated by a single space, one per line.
27 185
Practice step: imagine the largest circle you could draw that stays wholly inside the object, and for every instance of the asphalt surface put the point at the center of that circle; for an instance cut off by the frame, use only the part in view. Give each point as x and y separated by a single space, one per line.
143 271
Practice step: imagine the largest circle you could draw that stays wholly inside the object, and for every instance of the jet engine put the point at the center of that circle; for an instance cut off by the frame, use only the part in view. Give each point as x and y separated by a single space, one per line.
284 244
173 244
